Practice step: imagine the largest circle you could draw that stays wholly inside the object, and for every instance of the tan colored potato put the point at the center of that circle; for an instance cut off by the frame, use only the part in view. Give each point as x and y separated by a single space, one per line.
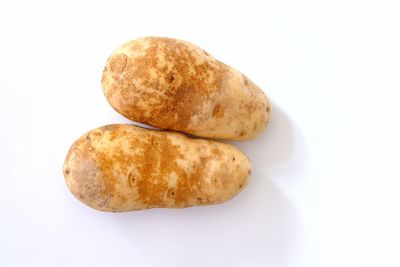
125 167
172 84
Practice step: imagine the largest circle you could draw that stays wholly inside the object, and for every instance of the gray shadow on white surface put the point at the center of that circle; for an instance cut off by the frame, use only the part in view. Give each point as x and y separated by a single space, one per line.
259 227
278 147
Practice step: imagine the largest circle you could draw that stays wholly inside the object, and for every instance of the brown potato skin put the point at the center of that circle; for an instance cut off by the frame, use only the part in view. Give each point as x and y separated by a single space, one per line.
125 167
172 84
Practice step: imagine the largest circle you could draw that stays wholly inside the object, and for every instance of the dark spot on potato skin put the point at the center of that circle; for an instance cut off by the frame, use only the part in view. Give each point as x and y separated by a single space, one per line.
205 53
131 179
171 78
245 80
218 111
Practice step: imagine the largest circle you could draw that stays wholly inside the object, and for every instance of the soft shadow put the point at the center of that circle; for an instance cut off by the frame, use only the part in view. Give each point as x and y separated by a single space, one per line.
257 228
279 148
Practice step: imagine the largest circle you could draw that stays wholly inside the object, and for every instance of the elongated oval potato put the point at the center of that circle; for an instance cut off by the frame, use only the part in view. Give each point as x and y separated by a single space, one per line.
125 167
172 84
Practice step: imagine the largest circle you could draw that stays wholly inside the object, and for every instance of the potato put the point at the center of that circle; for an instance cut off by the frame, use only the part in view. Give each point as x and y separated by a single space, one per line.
172 84
125 167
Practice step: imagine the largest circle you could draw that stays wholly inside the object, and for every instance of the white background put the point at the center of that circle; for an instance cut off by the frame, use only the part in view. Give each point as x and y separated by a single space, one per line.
325 184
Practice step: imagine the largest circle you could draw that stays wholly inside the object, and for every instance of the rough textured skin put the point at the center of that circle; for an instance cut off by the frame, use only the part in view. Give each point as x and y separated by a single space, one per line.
172 84
125 167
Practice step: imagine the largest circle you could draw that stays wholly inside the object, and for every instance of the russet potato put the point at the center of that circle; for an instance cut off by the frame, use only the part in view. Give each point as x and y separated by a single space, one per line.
172 84
126 167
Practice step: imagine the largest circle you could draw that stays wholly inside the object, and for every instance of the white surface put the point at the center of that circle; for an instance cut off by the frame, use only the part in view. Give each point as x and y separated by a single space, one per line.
325 186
